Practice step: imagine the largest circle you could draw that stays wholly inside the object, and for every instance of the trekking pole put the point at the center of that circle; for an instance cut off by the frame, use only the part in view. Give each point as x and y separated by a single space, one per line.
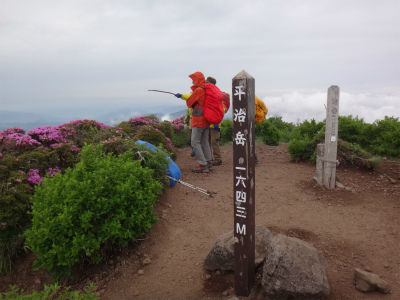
161 92
192 186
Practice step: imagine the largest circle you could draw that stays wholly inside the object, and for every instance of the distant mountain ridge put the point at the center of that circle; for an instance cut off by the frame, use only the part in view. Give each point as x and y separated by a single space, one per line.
28 121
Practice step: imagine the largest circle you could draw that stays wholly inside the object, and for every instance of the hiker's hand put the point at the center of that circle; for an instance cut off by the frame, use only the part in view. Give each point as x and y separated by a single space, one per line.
178 95
216 127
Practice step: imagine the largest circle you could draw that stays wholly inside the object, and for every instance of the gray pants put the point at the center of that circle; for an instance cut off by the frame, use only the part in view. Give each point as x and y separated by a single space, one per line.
200 145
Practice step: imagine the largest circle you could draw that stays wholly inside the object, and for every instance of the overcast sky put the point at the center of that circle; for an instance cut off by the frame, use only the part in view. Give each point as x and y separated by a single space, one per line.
75 54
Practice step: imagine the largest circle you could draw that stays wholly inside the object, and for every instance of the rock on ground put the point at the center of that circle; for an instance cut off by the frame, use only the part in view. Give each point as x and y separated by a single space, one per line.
294 269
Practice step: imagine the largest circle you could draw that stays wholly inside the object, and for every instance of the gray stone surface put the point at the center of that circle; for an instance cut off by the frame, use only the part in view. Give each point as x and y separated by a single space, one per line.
293 269
221 256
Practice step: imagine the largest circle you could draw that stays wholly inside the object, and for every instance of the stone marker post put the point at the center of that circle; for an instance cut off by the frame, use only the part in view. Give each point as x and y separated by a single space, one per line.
243 114
327 153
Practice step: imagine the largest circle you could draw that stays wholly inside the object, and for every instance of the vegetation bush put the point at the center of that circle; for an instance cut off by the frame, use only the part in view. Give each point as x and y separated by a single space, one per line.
268 133
134 124
105 199
52 292
349 153
307 129
166 127
386 137
26 158
18 176
15 142
305 138
81 132
226 132
15 193
301 149
181 139
350 129
45 151
154 160
285 129
157 138
108 133
358 142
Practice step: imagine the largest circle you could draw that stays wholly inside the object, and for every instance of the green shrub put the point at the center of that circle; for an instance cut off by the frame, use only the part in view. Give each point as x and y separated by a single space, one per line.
15 194
52 292
386 140
269 133
107 133
307 129
304 140
285 129
81 131
301 149
134 124
62 156
155 137
349 153
166 127
104 200
181 138
350 129
126 127
117 145
154 160
226 132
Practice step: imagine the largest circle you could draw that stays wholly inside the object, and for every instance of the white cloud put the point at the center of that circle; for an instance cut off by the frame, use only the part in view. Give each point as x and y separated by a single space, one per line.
166 117
296 107
93 49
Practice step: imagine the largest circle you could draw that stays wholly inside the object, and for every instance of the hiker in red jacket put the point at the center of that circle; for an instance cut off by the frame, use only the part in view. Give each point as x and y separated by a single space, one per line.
215 135
200 131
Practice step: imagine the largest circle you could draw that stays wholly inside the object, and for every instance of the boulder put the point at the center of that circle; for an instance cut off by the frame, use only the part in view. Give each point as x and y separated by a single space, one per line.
221 255
368 282
294 269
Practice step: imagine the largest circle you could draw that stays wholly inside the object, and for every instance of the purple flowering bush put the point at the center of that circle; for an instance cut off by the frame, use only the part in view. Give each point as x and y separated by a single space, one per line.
81 131
134 124
26 159
179 123
15 142
47 135
80 217
181 137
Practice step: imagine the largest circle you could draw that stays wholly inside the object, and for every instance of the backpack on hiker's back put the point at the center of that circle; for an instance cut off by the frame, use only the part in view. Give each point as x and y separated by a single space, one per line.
213 109
226 101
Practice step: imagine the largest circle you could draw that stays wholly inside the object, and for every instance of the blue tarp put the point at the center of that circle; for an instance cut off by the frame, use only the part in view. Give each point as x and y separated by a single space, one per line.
173 169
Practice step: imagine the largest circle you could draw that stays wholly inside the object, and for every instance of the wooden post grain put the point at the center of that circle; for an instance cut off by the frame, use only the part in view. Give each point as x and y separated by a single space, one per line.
243 113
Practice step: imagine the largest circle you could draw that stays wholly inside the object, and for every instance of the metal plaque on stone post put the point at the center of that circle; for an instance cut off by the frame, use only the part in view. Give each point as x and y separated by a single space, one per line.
243 114
331 137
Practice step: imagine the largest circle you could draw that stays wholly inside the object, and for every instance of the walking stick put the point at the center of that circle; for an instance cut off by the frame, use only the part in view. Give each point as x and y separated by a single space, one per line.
161 92
192 186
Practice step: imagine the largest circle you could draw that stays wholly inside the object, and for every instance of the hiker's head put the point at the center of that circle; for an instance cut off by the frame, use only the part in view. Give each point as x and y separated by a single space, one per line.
211 80
197 78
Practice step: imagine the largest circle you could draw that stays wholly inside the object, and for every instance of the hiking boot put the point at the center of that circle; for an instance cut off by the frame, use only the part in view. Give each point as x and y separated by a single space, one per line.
192 154
216 162
201 169
209 165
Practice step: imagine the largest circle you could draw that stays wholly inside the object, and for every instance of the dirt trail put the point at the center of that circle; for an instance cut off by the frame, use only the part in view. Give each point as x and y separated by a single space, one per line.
358 227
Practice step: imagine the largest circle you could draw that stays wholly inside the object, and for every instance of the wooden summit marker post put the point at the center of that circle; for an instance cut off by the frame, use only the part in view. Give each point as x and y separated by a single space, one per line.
243 114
